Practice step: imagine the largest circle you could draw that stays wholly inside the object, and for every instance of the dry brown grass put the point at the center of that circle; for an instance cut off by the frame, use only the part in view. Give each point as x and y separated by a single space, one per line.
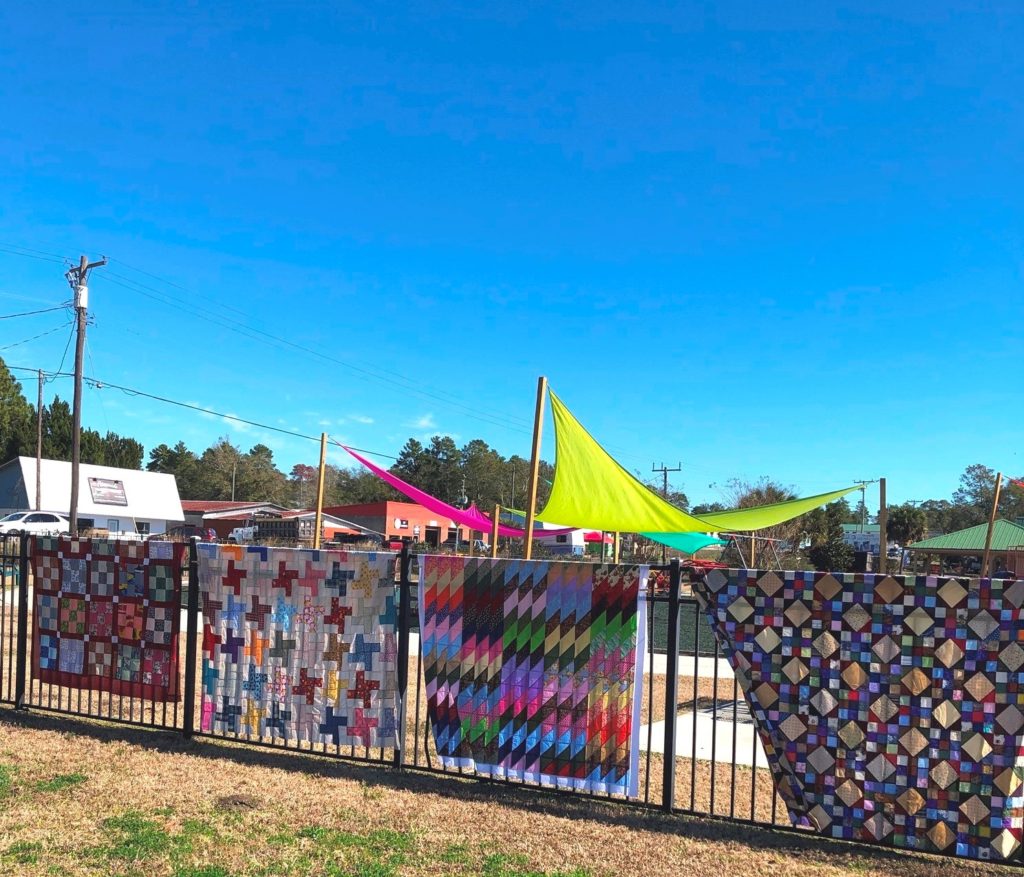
439 825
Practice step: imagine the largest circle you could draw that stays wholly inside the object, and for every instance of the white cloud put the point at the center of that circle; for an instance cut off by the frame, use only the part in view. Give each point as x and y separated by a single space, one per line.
361 418
425 422
324 423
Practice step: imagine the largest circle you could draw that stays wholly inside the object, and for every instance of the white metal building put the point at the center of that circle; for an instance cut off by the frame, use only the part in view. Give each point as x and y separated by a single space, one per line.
118 500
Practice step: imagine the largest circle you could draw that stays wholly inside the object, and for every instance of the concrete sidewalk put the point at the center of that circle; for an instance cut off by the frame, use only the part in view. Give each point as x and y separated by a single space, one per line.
713 740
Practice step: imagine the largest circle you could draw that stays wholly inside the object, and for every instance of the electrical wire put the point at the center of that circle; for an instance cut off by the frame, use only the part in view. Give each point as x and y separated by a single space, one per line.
33 313
400 381
67 347
34 337
96 383
32 254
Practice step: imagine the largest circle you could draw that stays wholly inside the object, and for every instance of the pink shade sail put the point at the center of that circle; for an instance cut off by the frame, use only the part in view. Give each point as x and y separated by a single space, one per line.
471 517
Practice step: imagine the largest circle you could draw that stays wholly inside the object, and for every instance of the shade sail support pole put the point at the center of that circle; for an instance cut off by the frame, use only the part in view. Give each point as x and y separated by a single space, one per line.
318 526
494 531
531 499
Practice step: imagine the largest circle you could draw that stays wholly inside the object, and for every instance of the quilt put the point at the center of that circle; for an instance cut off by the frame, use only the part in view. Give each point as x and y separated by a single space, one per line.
106 615
891 708
299 644
534 670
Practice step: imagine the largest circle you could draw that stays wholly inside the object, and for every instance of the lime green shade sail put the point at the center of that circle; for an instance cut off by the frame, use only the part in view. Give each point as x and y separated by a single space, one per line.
688 543
761 516
592 490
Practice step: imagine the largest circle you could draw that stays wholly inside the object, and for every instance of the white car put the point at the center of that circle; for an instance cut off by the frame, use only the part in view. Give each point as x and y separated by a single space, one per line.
38 523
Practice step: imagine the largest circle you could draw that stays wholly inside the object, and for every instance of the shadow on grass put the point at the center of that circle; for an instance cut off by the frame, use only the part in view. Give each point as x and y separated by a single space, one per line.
535 800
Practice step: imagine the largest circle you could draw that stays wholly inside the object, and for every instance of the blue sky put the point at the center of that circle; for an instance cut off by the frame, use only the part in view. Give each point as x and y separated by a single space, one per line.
757 241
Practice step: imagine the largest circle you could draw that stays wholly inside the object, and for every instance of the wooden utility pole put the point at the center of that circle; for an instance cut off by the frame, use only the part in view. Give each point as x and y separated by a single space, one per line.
531 499
664 470
615 549
319 525
494 531
78 278
39 444
883 525
991 526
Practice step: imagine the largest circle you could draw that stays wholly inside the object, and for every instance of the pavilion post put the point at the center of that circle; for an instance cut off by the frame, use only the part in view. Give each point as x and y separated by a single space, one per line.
494 531
991 526
883 524
531 498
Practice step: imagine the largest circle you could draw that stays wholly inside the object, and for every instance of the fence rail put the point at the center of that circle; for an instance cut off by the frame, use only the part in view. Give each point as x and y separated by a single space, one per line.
700 751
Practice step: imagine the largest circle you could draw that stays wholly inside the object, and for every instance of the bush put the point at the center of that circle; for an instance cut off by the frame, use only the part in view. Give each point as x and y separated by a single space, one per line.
834 556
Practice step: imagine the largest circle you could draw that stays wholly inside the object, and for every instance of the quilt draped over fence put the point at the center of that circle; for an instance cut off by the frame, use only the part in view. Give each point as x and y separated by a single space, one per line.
299 644
891 708
533 669
107 614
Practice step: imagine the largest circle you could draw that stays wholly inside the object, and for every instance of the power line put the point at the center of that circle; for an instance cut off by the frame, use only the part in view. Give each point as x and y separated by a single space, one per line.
34 337
29 254
33 313
98 384
396 379
67 347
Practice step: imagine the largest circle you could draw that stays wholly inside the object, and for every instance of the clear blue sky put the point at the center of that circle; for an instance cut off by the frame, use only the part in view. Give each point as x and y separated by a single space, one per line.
759 240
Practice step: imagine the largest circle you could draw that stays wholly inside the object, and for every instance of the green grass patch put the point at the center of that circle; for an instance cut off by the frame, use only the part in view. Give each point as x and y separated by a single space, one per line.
347 854
23 852
455 854
136 838
6 780
201 871
60 782
503 865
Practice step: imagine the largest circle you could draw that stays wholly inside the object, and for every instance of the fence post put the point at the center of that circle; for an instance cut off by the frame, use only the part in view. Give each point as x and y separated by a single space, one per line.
668 780
21 653
191 632
404 586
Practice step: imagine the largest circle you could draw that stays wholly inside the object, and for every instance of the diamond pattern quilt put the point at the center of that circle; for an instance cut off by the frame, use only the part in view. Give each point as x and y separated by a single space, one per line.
299 644
106 615
891 708
534 670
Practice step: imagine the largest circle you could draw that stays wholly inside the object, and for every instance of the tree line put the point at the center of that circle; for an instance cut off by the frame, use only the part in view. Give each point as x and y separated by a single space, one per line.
473 473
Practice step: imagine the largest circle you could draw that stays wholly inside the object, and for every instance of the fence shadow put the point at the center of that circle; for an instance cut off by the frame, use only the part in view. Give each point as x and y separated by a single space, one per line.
536 800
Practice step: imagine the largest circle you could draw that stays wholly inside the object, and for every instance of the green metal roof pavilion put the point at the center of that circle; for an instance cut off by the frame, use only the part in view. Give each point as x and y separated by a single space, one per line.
1005 535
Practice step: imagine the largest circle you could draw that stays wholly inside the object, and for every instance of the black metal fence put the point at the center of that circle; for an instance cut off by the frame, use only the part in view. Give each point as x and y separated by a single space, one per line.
700 752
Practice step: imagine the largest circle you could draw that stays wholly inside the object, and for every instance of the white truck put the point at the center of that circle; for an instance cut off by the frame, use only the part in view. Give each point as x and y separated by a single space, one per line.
240 535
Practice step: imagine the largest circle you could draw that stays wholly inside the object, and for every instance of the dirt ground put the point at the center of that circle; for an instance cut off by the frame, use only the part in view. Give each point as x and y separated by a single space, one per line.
84 798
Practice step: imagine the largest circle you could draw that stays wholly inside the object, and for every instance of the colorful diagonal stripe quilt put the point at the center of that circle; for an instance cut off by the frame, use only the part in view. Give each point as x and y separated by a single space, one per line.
533 669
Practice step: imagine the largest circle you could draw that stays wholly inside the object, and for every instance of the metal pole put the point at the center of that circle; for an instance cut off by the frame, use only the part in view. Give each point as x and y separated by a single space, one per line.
991 526
531 499
21 652
404 595
191 639
39 445
319 521
668 781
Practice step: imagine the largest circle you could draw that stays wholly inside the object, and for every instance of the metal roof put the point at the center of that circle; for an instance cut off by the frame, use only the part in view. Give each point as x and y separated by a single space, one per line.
1005 535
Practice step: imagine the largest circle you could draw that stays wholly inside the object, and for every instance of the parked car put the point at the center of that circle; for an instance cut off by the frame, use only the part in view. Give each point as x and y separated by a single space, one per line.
478 545
37 523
